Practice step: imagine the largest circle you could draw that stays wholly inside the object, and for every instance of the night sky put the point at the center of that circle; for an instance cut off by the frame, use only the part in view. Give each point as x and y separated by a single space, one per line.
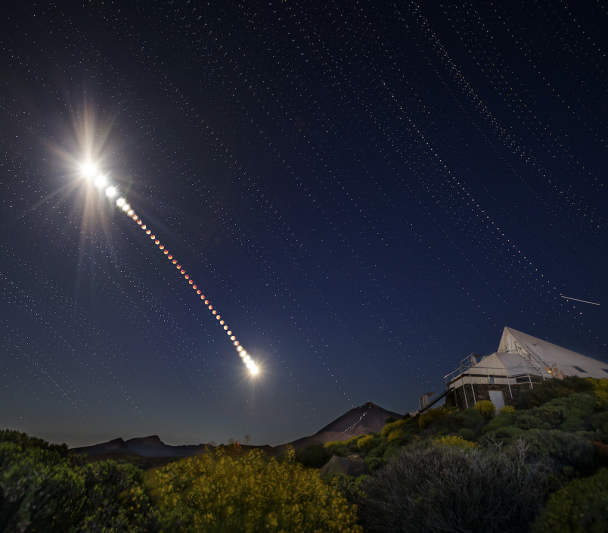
367 192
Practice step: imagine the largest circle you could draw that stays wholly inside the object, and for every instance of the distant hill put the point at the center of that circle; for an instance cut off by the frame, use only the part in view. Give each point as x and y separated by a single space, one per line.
368 418
145 446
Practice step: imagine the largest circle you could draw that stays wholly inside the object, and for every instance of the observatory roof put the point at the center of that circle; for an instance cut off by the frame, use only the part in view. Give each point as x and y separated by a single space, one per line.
569 362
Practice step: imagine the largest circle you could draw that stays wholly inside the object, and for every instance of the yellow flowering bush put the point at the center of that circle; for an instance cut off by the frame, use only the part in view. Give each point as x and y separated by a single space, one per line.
366 443
431 415
506 410
601 391
396 435
486 408
457 442
333 443
246 493
391 427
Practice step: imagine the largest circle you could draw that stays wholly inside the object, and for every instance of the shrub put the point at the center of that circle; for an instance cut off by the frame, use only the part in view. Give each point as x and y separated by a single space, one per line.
551 389
486 408
504 434
315 455
374 463
432 415
217 493
379 449
430 488
599 423
366 443
581 506
528 421
499 421
457 442
600 458
350 486
44 487
568 414
471 418
506 410
390 420
396 436
565 449
601 391
390 450
466 434
392 426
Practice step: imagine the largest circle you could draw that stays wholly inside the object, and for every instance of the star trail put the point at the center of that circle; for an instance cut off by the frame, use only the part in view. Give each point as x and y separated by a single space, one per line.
369 191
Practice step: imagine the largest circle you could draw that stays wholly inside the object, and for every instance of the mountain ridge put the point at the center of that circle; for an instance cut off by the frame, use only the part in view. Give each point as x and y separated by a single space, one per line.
367 418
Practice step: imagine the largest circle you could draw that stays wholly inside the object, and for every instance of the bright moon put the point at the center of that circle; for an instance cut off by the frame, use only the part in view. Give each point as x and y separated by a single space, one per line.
88 170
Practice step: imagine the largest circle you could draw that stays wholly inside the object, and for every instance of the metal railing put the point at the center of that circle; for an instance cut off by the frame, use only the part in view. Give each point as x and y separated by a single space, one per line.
533 370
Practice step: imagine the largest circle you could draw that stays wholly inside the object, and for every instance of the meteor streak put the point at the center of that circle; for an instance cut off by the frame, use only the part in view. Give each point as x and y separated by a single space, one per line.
577 300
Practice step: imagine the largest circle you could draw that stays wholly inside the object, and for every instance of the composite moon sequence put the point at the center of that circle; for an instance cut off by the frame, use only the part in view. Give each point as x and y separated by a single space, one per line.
224 219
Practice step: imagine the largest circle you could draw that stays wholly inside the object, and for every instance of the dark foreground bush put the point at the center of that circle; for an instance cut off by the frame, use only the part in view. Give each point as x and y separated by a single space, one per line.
551 389
580 507
46 488
430 487
564 449
315 455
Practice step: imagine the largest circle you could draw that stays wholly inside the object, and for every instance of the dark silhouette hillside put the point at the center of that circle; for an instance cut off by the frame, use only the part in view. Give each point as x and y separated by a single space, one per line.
150 446
368 418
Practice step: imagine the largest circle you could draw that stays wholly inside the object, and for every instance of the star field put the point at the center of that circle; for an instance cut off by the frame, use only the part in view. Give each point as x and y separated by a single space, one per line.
367 192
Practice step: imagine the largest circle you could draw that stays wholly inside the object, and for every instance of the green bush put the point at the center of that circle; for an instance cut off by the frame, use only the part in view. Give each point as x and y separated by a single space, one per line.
316 455
502 434
466 434
428 488
471 418
565 449
390 450
580 507
47 488
349 486
528 421
568 414
551 389
502 420
379 449
216 493
599 422
486 408
374 463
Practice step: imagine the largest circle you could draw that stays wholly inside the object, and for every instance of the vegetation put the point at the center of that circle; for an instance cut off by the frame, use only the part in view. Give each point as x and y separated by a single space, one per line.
552 389
315 456
46 488
366 443
218 493
558 431
457 442
580 507
432 415
429 487
541 464
486 408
